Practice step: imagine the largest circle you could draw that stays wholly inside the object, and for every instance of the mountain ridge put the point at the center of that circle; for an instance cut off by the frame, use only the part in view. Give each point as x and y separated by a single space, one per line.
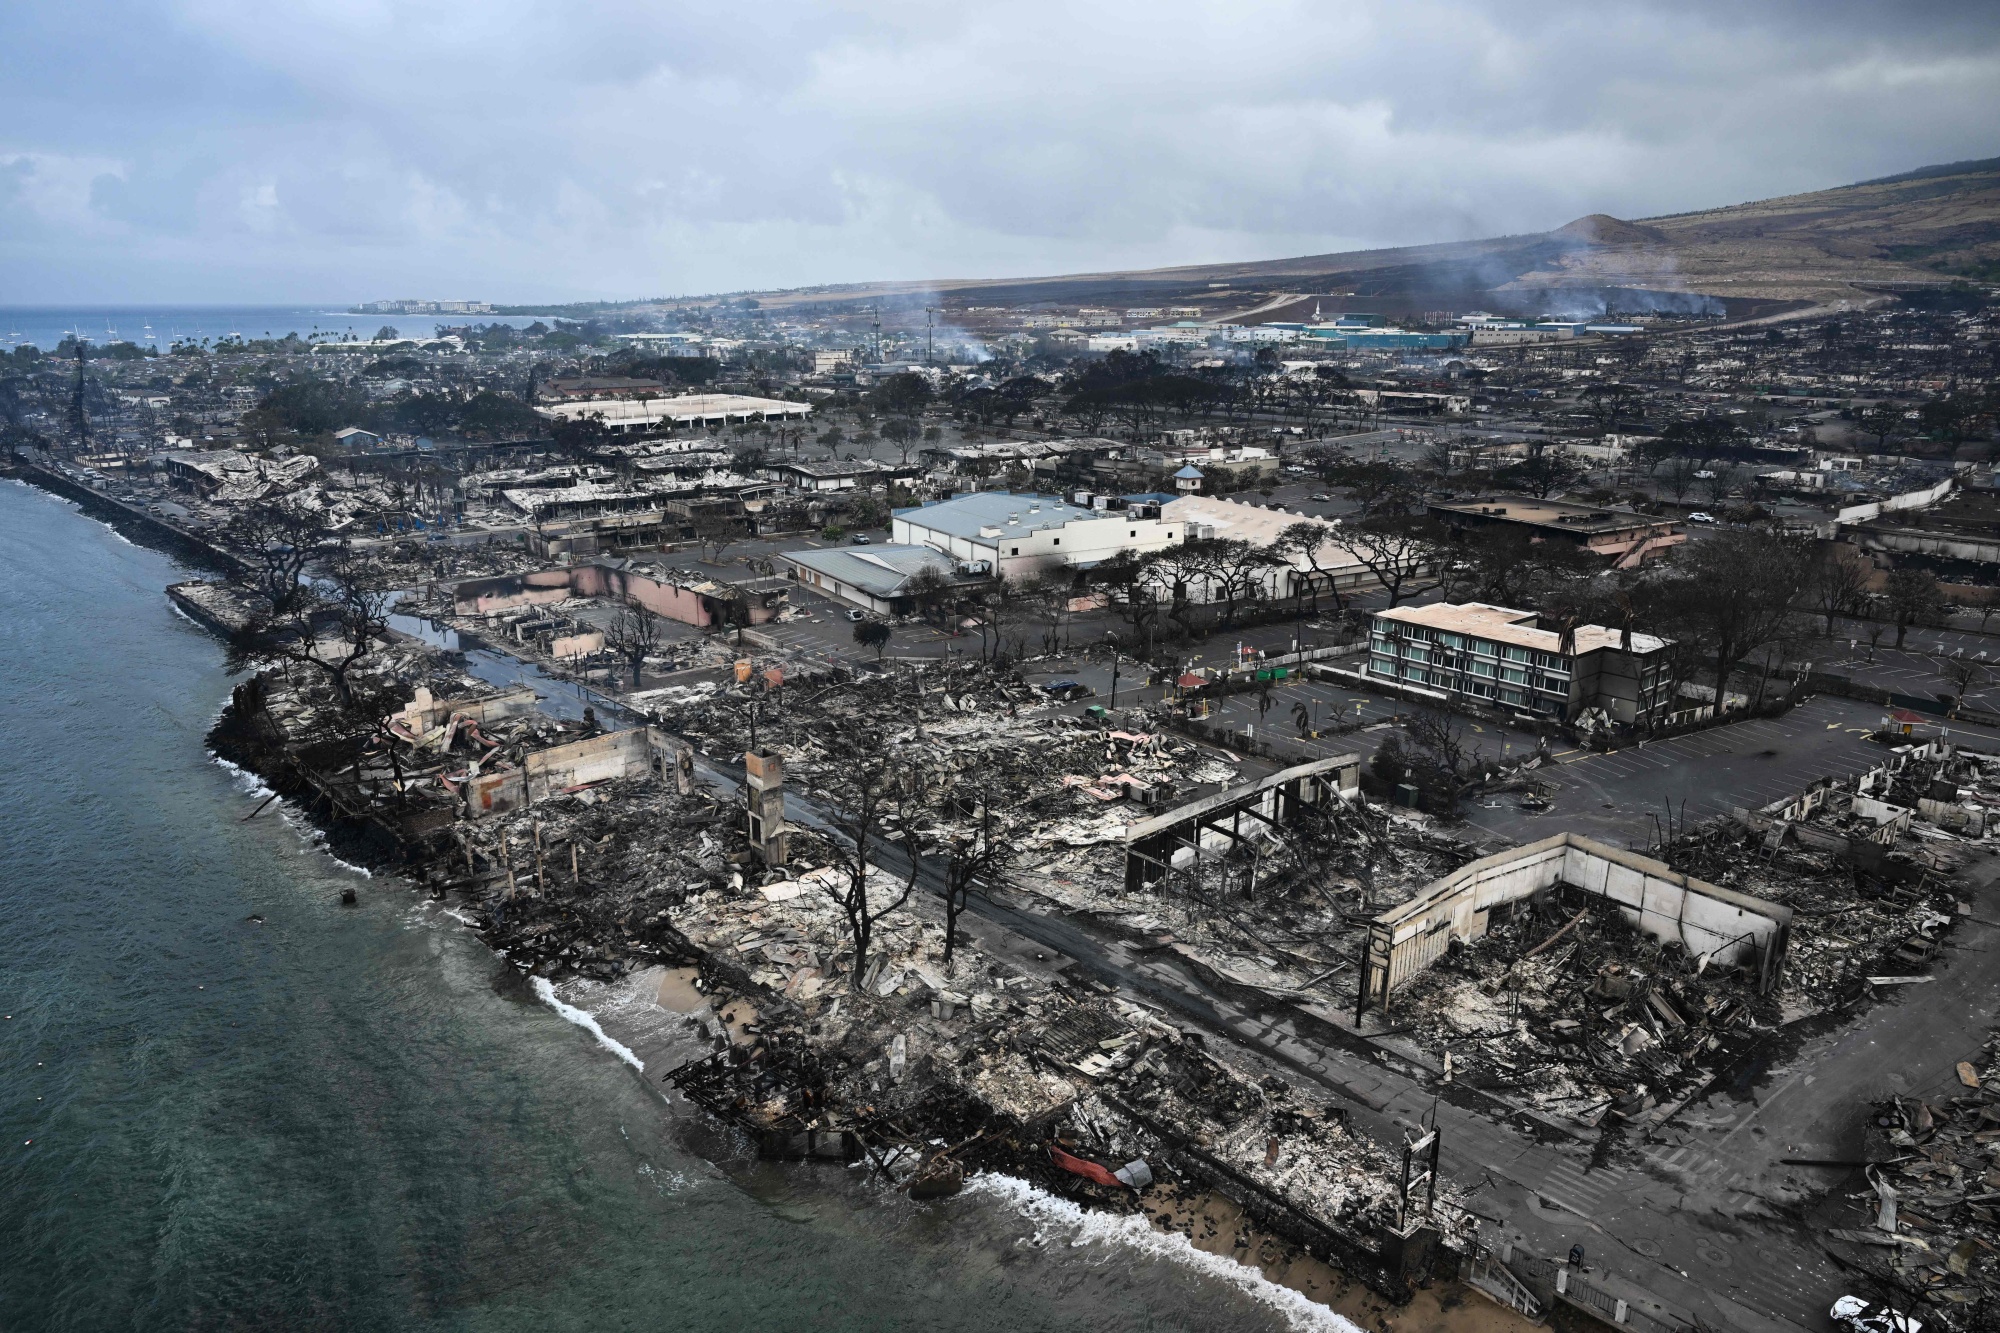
1848 244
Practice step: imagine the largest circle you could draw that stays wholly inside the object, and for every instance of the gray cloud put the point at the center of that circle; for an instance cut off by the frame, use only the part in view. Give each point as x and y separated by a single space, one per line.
524 149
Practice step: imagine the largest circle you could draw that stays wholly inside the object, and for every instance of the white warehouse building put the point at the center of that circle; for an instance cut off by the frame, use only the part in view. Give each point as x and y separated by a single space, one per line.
1026 534
635 416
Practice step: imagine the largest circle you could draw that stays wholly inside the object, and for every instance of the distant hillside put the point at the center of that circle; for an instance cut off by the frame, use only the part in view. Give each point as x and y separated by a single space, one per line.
1847 244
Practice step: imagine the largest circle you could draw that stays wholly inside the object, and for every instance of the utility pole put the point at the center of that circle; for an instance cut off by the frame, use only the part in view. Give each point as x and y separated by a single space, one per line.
79 420
875 324
929 310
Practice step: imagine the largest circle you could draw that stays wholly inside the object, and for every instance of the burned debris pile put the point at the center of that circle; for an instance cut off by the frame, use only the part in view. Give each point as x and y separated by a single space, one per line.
591 856
588 883
1019 1068
1280 914
1934 795
1859 924
1593 1005
1565 1005
334 739
1928 1233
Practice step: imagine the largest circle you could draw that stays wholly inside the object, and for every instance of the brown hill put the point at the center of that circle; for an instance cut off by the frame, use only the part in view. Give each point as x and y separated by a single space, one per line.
1603 229
1849 244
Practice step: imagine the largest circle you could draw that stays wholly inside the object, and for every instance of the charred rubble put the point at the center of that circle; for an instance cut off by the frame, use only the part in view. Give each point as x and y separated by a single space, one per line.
1283 917
1920 1227
926 1068
931 1072
1565 1005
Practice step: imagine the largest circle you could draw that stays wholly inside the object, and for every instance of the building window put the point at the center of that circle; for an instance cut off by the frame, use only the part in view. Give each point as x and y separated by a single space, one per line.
1133 533
1513 654
1015 551
1510 696
1056 541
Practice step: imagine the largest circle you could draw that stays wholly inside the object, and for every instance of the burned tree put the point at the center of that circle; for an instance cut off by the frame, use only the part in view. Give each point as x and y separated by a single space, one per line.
862 795
902 432
1440 756
716 533
1049 597
1744 583
1309 540
634 635
929 589
972 857
331 626
279 539
1840 582
1962 673
873 634
1913 598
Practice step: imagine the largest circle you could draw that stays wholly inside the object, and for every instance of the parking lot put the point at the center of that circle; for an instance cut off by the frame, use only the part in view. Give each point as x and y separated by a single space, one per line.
1920 668
1617 796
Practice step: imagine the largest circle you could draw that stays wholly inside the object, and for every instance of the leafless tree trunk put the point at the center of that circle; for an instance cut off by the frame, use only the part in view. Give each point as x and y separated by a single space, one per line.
860 796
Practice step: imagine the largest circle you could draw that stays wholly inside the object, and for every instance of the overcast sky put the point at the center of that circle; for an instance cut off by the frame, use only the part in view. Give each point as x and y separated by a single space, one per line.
244 150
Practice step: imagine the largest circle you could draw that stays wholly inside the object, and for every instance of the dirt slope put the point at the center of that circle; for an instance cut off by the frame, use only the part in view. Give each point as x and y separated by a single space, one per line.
1825 247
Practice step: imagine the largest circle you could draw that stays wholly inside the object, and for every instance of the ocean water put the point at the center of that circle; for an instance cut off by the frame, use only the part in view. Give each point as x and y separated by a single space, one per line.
163 326
228 1103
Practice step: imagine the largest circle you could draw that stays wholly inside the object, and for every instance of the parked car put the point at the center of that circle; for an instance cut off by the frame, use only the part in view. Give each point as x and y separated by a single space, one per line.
1067 690
1319 499
857 614
860 539
1699 517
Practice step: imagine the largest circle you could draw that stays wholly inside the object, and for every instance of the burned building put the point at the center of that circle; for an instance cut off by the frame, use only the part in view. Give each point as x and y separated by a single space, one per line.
1624 538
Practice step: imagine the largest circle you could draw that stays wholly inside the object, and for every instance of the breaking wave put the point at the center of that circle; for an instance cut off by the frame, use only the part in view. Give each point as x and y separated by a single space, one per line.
1134 1232
253 786
584 1020
246 781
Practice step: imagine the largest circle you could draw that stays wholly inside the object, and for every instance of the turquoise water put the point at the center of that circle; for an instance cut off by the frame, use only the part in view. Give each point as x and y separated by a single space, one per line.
228 1103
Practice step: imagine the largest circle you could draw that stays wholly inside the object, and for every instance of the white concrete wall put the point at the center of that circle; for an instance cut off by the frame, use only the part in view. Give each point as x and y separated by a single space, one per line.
1930 495
1660 901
